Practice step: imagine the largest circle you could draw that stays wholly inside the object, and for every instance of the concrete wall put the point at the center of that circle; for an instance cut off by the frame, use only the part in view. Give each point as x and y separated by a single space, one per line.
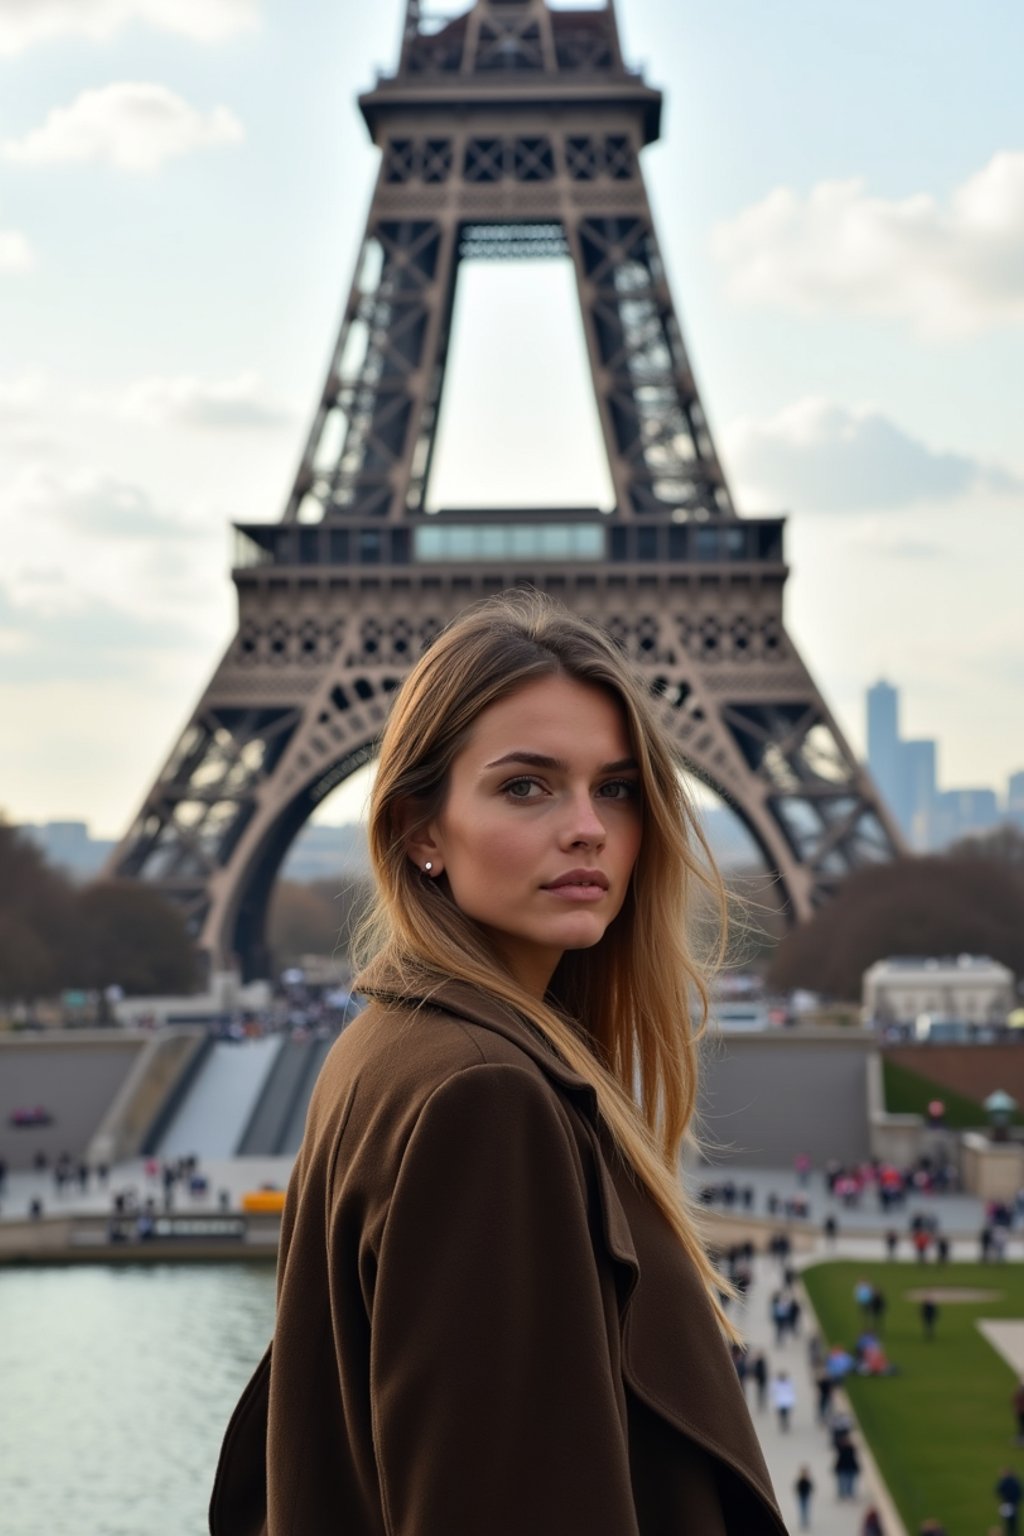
766 1097
74 1074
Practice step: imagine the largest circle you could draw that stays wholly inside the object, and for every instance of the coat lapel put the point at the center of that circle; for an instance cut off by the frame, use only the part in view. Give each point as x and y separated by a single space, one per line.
675 1358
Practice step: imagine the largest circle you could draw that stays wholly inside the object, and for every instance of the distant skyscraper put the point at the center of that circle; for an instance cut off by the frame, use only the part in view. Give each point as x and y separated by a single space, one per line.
1015 799
883 718
905 771
884 746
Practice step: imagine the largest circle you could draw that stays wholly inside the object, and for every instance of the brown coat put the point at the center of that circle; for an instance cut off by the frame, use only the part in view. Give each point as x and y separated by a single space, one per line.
484 1327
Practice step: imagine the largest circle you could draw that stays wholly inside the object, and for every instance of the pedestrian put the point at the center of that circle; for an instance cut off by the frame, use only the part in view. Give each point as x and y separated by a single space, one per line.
759 1371
929 1315
1018 1408
804 1490
863 1292
831 1230
872 1525
527 964
783 1399
877 1309
780 1316
825 1385
846 1467
1009 1491
892 1242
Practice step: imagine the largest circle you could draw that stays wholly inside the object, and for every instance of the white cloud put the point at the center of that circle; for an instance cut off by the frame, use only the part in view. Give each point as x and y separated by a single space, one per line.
87 536
134 126
819 456
25 22
22 397
84 639
238 403
950 268
16 254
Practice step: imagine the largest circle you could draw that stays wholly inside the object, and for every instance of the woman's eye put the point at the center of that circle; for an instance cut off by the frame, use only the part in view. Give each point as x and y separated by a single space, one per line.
621 789
521 789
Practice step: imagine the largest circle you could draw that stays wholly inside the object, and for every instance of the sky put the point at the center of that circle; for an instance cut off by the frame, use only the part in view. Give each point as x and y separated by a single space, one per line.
839 193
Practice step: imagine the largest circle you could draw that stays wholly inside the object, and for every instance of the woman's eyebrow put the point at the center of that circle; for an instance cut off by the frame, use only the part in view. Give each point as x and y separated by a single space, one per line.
538 760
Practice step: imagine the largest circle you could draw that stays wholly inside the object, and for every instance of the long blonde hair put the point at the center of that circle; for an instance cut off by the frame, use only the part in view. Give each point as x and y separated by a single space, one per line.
625 1014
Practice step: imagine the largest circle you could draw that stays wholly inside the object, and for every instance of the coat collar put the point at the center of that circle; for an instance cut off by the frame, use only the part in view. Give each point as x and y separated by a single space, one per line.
682 1371
479 1007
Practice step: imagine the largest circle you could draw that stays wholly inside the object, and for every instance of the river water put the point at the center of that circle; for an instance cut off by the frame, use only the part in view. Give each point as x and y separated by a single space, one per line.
115 1388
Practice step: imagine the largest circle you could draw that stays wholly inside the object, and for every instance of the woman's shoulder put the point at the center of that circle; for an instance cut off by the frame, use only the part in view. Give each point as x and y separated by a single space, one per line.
394 1057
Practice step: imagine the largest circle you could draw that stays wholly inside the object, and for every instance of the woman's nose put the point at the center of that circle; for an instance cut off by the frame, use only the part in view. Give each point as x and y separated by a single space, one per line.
583 824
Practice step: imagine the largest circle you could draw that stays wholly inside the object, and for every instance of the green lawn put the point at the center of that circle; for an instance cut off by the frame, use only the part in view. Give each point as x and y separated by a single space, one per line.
942 1429
908 1093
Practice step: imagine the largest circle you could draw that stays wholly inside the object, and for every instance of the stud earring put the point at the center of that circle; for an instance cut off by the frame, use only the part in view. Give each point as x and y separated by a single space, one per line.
428 868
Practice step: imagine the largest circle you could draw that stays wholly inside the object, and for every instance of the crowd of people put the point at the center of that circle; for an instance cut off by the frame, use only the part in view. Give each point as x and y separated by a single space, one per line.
891 1185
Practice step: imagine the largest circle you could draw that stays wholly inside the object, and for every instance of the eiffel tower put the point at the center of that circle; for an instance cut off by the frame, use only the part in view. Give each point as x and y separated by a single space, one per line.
509 131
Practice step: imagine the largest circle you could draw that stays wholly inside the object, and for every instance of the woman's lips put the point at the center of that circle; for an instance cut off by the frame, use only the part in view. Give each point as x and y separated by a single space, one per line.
581 893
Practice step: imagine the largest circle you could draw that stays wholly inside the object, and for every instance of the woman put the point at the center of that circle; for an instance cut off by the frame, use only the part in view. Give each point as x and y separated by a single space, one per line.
494 1312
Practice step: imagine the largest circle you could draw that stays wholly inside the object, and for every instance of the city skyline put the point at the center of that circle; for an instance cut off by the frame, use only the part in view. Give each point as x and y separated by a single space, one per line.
181 193
931 816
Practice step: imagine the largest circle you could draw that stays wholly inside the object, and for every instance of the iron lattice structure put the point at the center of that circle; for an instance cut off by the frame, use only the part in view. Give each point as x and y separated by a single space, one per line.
508 131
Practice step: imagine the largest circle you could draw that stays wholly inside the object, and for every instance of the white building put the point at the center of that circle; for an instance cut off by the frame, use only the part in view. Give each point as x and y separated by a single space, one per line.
971 988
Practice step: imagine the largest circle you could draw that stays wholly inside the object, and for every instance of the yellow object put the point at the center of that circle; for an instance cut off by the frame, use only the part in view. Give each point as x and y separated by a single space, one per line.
263 1200
1016 1019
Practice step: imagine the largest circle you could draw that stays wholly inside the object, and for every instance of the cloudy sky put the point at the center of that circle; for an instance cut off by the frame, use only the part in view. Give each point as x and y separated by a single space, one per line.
183 184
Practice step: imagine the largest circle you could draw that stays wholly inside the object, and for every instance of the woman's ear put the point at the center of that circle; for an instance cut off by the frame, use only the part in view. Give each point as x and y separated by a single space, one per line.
420 840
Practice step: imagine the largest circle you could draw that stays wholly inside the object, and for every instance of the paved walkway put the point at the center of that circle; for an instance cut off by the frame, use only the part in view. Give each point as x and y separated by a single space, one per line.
1008 1338
806 1443
236 1175
958 1214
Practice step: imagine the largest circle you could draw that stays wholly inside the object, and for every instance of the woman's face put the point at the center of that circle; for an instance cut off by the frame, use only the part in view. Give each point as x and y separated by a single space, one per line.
541 825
